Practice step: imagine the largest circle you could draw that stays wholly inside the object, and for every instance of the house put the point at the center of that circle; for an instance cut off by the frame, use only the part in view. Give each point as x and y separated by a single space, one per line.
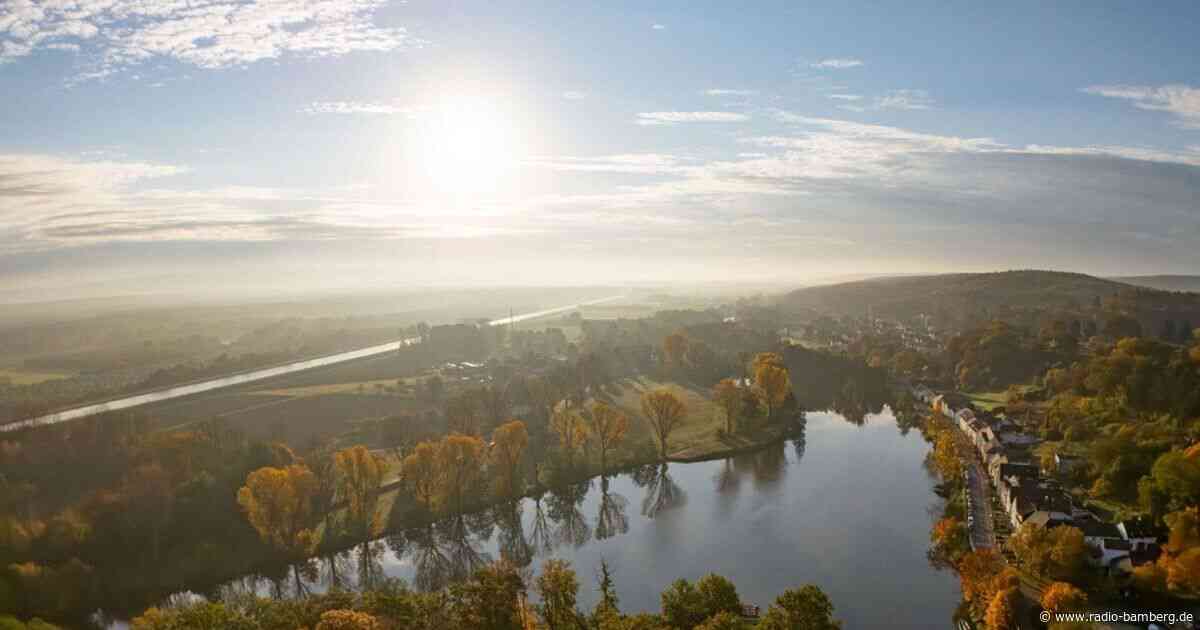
1109 547
1141 532
1030 497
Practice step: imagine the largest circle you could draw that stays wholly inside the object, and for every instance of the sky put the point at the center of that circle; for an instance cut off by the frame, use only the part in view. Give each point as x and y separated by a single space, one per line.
204 145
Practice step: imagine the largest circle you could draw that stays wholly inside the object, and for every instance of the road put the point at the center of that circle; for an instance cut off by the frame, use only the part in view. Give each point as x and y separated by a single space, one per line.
982 534
258 375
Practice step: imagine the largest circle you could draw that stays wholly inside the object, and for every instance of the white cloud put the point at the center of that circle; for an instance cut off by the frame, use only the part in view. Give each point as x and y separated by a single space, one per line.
904 99
632 163
1183 101
361 107
846 97
670 118
658 27
573 95
115 34
727 92
836 63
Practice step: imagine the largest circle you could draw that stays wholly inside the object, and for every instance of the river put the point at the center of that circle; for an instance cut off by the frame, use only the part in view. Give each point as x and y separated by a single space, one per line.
847 508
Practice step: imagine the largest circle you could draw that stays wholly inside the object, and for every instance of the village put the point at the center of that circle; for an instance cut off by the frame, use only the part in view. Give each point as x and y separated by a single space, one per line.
1003 473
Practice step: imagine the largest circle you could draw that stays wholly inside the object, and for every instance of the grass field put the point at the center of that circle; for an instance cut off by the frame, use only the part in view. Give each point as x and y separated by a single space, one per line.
987 400
22 376
372 387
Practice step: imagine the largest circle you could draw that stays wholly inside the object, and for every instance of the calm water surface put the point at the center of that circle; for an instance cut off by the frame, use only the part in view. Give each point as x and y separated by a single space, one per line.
847 508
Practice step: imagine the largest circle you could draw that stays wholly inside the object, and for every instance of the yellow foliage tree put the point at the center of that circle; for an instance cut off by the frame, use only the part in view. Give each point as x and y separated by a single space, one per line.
359 475
460 468
571 430
1063 597
775 383
729 396
420 473
675 346
278 504
348 620
608 426
665 412
1002 611
1180 561
509 442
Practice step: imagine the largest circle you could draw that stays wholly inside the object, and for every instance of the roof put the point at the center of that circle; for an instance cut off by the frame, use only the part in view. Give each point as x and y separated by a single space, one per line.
1043 518
1098 529
1141 527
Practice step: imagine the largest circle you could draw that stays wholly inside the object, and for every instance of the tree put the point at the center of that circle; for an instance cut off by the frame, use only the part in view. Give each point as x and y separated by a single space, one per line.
978 572
665 412
1002 611
420 473
460 468
719 595
348 620
608 427
675 346
558 589
775 383
463 414
1057 553
1179 564
804 608
1063 597
149 493
509 442
359 474
608 604
278 504
728 395
571 431
492 599
723 621
767 358
683 606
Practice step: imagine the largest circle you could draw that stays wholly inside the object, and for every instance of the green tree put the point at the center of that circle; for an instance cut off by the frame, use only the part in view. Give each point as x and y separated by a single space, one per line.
558 589
804 608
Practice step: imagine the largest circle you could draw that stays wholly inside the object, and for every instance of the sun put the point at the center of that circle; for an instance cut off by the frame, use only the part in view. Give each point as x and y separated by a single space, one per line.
468 147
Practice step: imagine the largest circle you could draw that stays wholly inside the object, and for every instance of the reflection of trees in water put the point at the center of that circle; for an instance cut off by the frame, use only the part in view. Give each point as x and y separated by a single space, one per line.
662 493
800 440
540 537
611 520
728 480
335 567
514 547
770 462
458 535
564 506
370 565
431 564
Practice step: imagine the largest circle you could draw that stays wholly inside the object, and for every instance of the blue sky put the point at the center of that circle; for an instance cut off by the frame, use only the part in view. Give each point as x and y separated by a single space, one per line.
374 142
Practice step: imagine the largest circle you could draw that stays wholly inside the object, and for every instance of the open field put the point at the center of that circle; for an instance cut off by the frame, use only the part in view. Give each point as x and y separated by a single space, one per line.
22 376
986 400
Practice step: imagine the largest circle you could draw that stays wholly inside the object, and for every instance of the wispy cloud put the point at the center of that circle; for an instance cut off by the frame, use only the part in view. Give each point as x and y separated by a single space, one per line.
1183 101
658 27
671 118
631 163
729 92
114 34
362 107
904 99
574 95
837 63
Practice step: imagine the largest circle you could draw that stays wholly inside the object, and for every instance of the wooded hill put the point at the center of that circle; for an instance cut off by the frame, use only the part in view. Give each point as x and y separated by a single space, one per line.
963 299
1163 283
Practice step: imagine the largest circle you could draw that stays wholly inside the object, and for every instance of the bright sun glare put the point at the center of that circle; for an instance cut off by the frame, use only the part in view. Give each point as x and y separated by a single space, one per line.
467 146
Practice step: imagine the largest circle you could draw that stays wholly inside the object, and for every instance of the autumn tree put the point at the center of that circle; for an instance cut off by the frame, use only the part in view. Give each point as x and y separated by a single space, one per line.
460 469
571 430
766 358
773 381
979 573
1178 567
1056 553
1002 610
420 473
675 346
509 442
463 414
804 608
278 504
608 427
359 474
1063 597
492 599
949 539
558 588
729 396
665 412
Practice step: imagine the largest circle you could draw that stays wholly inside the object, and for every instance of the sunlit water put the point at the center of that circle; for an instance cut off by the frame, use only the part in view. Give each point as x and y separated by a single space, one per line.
847 509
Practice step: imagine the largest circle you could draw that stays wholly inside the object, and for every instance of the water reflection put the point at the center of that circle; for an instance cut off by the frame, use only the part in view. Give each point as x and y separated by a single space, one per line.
566 508
662 493
611 520
514 548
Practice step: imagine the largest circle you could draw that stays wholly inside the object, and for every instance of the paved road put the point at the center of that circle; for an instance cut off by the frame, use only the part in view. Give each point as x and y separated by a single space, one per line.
258 375
982 534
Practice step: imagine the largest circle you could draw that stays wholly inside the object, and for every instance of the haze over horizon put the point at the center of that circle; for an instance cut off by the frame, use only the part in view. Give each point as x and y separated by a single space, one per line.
222 146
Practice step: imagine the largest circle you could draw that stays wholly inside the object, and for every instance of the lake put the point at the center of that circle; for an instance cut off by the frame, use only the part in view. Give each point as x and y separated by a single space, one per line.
847 508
